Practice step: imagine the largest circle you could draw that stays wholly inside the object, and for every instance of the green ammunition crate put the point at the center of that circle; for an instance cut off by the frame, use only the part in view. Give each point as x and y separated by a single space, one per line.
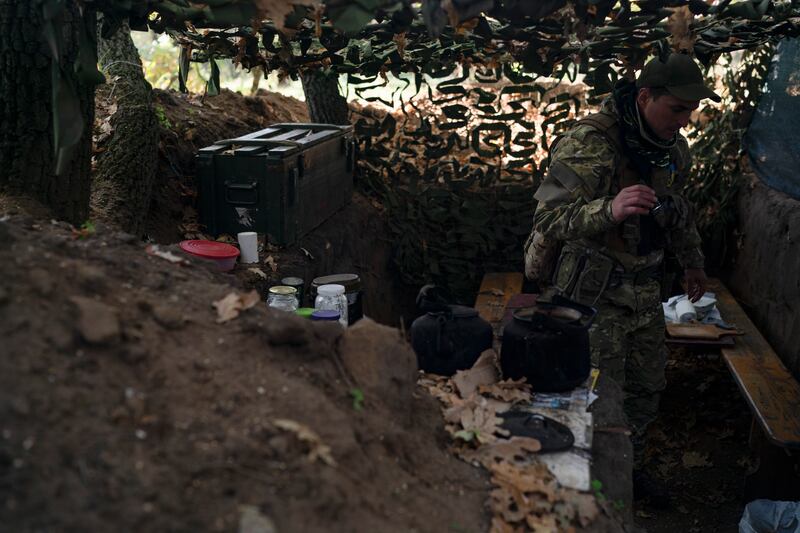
283 181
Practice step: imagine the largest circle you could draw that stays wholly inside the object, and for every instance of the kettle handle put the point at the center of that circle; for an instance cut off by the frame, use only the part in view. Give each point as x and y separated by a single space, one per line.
586 311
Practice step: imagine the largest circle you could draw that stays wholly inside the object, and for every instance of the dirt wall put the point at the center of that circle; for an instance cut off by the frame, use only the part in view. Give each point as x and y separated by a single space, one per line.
765 277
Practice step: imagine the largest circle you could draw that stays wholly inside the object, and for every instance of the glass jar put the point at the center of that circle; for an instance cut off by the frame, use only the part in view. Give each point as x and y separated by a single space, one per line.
331 298
283 298
297 283
325 315
353 290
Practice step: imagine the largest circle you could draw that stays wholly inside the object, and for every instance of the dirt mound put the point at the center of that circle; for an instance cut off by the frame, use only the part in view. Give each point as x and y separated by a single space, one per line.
126 406
189 122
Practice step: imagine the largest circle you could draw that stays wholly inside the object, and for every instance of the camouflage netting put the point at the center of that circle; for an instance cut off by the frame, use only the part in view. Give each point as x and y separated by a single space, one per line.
478 96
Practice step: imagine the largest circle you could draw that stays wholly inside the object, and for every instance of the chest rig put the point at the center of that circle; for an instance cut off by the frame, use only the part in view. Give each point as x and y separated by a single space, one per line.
637 235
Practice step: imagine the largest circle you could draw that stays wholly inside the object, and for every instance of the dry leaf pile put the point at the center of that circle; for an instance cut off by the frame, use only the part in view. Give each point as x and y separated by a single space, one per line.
526 496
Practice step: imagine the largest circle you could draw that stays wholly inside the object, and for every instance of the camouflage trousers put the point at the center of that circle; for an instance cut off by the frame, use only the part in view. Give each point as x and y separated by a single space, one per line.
627 344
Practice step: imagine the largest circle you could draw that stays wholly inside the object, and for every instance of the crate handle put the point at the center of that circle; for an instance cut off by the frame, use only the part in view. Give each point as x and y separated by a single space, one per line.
248 187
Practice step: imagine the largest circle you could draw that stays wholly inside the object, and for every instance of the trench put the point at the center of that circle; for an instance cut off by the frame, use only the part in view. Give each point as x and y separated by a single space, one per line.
355 240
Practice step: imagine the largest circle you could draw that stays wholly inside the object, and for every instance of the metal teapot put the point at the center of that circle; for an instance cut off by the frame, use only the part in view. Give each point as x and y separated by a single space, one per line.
548 344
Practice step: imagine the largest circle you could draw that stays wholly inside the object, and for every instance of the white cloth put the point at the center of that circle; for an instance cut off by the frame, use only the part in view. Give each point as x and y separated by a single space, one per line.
711 317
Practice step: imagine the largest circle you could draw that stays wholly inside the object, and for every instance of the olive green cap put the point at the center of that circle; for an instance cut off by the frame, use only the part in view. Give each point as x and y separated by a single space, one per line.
679 75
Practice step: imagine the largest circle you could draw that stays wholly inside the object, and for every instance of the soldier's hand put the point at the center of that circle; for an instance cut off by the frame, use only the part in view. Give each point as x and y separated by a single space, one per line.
696 282
633 200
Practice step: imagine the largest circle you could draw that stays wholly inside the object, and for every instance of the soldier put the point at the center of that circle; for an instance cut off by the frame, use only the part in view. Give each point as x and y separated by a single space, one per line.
611 198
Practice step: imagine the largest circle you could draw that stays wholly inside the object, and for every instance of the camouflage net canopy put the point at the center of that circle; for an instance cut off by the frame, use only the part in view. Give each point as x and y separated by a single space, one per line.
476 92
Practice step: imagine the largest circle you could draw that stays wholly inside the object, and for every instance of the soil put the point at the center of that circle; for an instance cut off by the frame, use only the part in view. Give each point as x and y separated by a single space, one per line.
126 406
189 122
697 448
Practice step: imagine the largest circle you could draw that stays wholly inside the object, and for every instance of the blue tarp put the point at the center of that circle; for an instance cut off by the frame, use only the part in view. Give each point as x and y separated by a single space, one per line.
773 138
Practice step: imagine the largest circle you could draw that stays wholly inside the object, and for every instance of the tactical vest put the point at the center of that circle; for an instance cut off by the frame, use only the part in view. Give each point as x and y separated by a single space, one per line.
625 238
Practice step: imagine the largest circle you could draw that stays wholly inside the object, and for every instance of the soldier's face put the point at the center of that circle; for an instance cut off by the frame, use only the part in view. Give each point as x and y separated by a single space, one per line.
665 114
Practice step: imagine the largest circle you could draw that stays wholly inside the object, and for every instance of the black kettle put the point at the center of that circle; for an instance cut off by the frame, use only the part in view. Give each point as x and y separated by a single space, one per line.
548 344
447 337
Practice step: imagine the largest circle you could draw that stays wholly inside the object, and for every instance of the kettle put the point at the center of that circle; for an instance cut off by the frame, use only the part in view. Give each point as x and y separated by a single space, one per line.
447 338
548 344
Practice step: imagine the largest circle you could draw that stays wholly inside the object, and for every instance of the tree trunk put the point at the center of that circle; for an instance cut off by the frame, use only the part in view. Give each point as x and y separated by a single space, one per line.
27 160
126 169
325 104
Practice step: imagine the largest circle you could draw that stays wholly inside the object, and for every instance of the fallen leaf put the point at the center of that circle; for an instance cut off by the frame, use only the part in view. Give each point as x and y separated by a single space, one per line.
501 526
695 460
317 449
153 249
478 415
231 305
533 477
508 391
271 262
513 450
258 272
483 372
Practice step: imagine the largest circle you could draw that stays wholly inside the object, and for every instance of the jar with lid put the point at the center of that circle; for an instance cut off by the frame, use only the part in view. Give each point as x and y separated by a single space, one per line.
297 283
332 298
283 298
353 290
325 316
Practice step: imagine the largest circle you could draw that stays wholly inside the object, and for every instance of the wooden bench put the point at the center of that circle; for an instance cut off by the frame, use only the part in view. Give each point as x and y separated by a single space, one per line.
496 289
773 396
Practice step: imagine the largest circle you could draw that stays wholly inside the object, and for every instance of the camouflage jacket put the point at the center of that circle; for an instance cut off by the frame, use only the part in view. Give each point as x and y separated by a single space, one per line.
583 178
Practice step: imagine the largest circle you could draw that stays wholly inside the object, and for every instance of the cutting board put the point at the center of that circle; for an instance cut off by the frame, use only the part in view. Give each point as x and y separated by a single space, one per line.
699 331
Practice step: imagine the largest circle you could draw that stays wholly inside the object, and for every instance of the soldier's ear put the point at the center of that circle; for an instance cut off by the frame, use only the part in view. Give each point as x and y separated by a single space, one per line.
643 96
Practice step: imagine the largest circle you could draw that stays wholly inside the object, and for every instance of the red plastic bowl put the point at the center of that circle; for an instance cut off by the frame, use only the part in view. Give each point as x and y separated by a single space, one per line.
223 254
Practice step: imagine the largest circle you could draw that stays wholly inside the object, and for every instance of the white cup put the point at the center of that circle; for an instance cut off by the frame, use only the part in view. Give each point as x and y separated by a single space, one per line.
685 311
248 245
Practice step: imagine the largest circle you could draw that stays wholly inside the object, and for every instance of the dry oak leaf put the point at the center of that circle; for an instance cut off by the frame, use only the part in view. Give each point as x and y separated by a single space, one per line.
529 478
231 305
514 450
317 449
483 373
508 391
501 526
542 524
586 508
509 503
478 417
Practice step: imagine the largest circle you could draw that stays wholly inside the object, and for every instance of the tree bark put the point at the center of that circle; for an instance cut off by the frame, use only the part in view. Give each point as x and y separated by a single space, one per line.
27 159
126 169
325 104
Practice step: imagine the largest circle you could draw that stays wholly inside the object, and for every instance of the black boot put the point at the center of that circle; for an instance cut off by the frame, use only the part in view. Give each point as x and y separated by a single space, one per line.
652 491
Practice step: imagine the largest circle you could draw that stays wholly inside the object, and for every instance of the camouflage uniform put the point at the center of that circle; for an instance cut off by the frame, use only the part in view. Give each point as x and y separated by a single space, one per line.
600 264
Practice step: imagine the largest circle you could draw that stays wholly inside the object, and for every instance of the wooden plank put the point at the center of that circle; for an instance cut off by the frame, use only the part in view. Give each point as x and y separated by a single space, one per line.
771 391
496 289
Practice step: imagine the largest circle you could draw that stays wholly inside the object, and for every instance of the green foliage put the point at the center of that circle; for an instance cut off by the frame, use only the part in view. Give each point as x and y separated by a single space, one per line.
86 230
358 399
161 115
